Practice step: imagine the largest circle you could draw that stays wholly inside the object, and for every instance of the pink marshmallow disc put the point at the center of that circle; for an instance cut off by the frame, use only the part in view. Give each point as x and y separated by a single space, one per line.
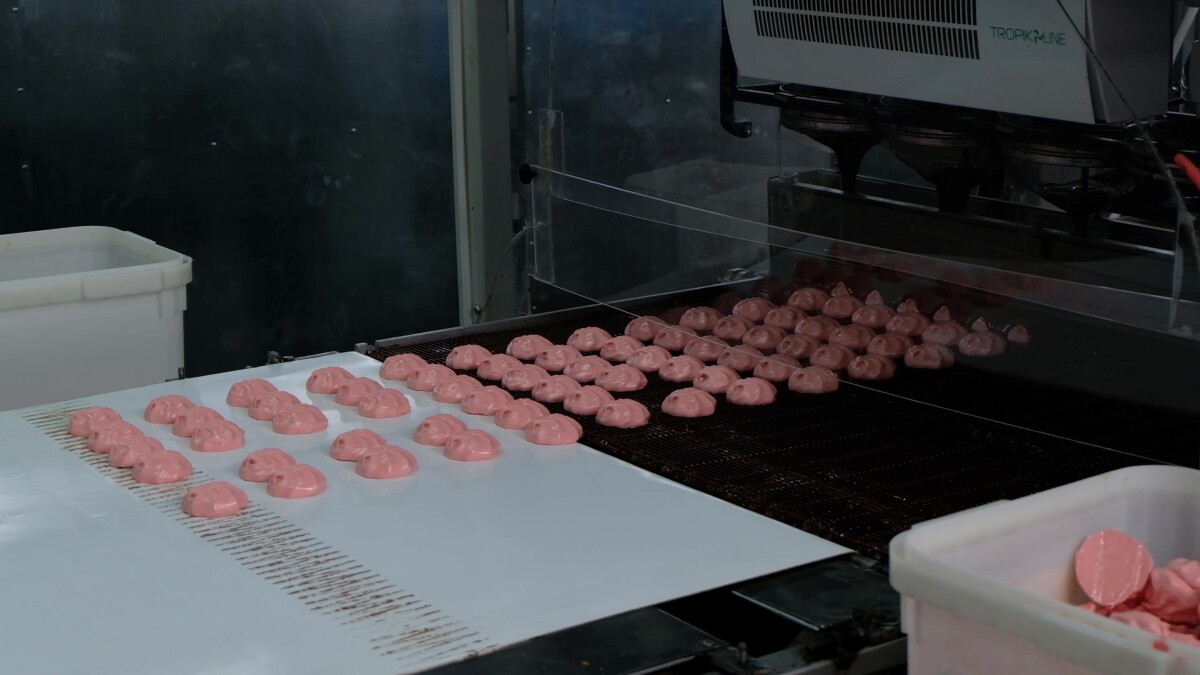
586 369
302 419
755 309
384 404
982 343
808 299
164 409
350 445
798 346
242 394
553 430
386 462
929 357
425 378
674 338
326 380
400 367
777 368
167 466
715 379
644 328
587 401
217 499
103 438
852 336
623 414
266 406
352 392
907 323
700 319
842 307
84 422
873 316
707 349
741 358
1112 567
126 452
187 421
1169 597
486 401
218 436
259 465
784 317
472 445
945 333
890 345
524 377
733 328
496 366
690 402
555 389
622 378
455 389
833 357
519 414
813 380
764 337
527 347
556 357
296 482
681 369
751 391
620 349
872 367
436 430
818 327
588 340
467 357
649 359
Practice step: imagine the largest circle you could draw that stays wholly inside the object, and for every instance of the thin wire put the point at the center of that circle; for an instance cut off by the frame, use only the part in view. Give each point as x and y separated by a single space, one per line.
480 309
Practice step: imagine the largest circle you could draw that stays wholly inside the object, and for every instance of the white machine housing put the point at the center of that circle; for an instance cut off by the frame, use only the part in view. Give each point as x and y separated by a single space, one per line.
1011 56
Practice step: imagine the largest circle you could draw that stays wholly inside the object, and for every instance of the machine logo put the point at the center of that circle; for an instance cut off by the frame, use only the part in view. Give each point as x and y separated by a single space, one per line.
1030 36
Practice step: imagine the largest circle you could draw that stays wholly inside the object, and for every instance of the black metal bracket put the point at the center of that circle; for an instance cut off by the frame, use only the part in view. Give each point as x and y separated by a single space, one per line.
741 128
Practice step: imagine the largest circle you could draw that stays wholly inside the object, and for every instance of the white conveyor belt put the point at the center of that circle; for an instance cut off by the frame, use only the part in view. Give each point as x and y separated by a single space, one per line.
105 575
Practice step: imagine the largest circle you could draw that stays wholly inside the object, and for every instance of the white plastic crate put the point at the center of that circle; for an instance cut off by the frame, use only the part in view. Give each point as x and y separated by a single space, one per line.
992 590
87 310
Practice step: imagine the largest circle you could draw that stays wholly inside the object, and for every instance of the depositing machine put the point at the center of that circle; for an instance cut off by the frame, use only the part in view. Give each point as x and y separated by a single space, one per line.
1013 175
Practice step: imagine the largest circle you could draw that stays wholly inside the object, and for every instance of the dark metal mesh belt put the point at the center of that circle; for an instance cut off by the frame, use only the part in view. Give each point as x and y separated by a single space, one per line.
861 465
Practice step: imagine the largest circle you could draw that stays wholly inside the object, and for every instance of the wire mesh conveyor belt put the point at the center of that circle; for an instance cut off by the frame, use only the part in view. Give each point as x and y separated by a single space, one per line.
859 466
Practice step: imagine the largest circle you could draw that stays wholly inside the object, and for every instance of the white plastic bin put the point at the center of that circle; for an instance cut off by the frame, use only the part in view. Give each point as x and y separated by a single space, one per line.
992 590
87 310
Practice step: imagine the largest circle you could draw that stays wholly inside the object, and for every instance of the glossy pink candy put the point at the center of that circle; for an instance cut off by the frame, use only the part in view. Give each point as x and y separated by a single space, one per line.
217 499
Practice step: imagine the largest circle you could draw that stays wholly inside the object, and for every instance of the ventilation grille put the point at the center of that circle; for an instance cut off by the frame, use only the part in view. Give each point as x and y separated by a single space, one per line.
960 12
914 38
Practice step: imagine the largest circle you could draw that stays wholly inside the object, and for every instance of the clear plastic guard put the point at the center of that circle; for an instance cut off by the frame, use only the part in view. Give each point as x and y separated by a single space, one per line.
1098 348
634 245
